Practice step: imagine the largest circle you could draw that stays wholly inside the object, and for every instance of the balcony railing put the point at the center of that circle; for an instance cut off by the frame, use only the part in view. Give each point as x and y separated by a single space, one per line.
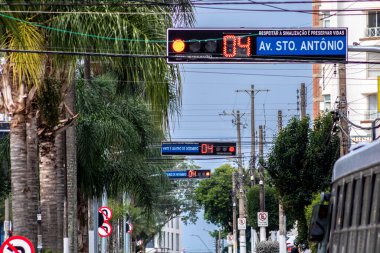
373 31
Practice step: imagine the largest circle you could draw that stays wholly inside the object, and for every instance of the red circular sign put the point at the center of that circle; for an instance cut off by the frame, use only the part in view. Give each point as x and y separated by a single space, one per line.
106 211
262 216
17 244
105 230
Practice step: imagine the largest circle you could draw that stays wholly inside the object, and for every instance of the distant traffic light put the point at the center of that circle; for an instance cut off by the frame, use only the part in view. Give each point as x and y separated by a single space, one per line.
198 174
186 174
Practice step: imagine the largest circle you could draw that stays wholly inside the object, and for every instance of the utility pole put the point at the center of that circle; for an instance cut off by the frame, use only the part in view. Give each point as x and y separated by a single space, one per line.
234 226
303 100
252 92
281 213
261 173
242 213
342 107
237 183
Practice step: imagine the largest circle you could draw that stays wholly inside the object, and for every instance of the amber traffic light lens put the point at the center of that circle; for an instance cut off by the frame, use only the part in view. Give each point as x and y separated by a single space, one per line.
178 46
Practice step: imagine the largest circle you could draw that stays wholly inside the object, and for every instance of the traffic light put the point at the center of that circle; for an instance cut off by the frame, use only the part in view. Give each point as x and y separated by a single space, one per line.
198 173
245 45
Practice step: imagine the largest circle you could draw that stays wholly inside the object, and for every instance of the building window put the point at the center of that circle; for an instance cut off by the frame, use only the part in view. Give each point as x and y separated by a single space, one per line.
327 102
372 106
177 242
172 246
326 19
373 24
177 223
150 244
171 223
373 69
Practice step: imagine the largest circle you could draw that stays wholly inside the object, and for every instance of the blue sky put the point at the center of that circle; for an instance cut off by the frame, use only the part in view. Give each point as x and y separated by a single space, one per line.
209 89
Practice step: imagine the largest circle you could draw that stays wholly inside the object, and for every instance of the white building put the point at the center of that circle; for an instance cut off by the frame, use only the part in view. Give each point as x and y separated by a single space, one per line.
363 25
169 240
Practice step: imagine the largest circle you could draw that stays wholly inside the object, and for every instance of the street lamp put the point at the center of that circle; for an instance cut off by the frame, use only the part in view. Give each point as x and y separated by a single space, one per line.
202 242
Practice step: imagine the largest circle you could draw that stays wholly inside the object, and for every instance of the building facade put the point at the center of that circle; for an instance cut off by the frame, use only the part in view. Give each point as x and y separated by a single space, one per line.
362 20
169 240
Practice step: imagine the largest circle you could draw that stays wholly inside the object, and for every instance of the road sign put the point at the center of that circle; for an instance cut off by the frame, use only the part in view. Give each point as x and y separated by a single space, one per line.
198 148
106 212
17 244
262 219
245 45
185 174
105 230
242 223
230 239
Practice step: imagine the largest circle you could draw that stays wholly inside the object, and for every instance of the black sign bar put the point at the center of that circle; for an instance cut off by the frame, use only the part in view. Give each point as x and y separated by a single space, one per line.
243 45
198 148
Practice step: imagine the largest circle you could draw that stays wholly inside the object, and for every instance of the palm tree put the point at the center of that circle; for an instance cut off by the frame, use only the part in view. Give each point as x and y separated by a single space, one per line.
20 75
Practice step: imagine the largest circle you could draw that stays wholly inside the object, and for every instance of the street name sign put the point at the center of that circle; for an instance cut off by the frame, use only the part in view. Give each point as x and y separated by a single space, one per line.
262 219
245 45
198 148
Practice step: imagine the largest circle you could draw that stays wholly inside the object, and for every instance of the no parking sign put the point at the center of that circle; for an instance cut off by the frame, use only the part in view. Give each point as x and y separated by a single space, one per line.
17 244
106 212
105 230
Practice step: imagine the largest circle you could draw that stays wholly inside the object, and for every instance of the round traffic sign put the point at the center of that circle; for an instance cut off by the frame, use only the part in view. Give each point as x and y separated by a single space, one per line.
106 211
263 216
105 230
17 244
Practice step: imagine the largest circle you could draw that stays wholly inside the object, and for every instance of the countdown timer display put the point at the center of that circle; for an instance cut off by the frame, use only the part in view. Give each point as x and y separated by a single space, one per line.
198 148
256 45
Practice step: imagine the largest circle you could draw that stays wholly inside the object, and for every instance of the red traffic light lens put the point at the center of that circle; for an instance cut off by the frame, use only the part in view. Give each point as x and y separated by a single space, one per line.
231 149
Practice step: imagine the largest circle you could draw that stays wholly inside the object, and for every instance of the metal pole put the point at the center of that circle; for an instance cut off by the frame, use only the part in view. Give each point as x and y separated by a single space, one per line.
242 214
281 213
253 151
303 100
262 193
104 240
342 106
234 227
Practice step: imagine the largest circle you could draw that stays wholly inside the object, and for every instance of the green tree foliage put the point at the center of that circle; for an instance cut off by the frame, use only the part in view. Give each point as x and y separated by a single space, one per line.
5 186
215 196
300 164
271 206
115 142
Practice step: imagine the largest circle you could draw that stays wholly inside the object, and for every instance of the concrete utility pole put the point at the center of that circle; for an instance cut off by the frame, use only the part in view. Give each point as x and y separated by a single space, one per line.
252 92
342 107
303 100
234 225
263 236
238 183
281 213
242 213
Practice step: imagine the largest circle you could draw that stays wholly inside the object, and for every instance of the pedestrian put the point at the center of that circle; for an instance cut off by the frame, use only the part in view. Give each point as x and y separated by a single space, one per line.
295 248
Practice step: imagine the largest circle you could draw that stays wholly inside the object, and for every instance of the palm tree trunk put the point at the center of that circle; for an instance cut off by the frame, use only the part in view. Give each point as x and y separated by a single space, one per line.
23 223
59 143
48 188
71 156
32 166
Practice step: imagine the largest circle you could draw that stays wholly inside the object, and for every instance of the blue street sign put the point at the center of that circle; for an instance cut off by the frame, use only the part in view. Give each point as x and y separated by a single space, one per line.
176 174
